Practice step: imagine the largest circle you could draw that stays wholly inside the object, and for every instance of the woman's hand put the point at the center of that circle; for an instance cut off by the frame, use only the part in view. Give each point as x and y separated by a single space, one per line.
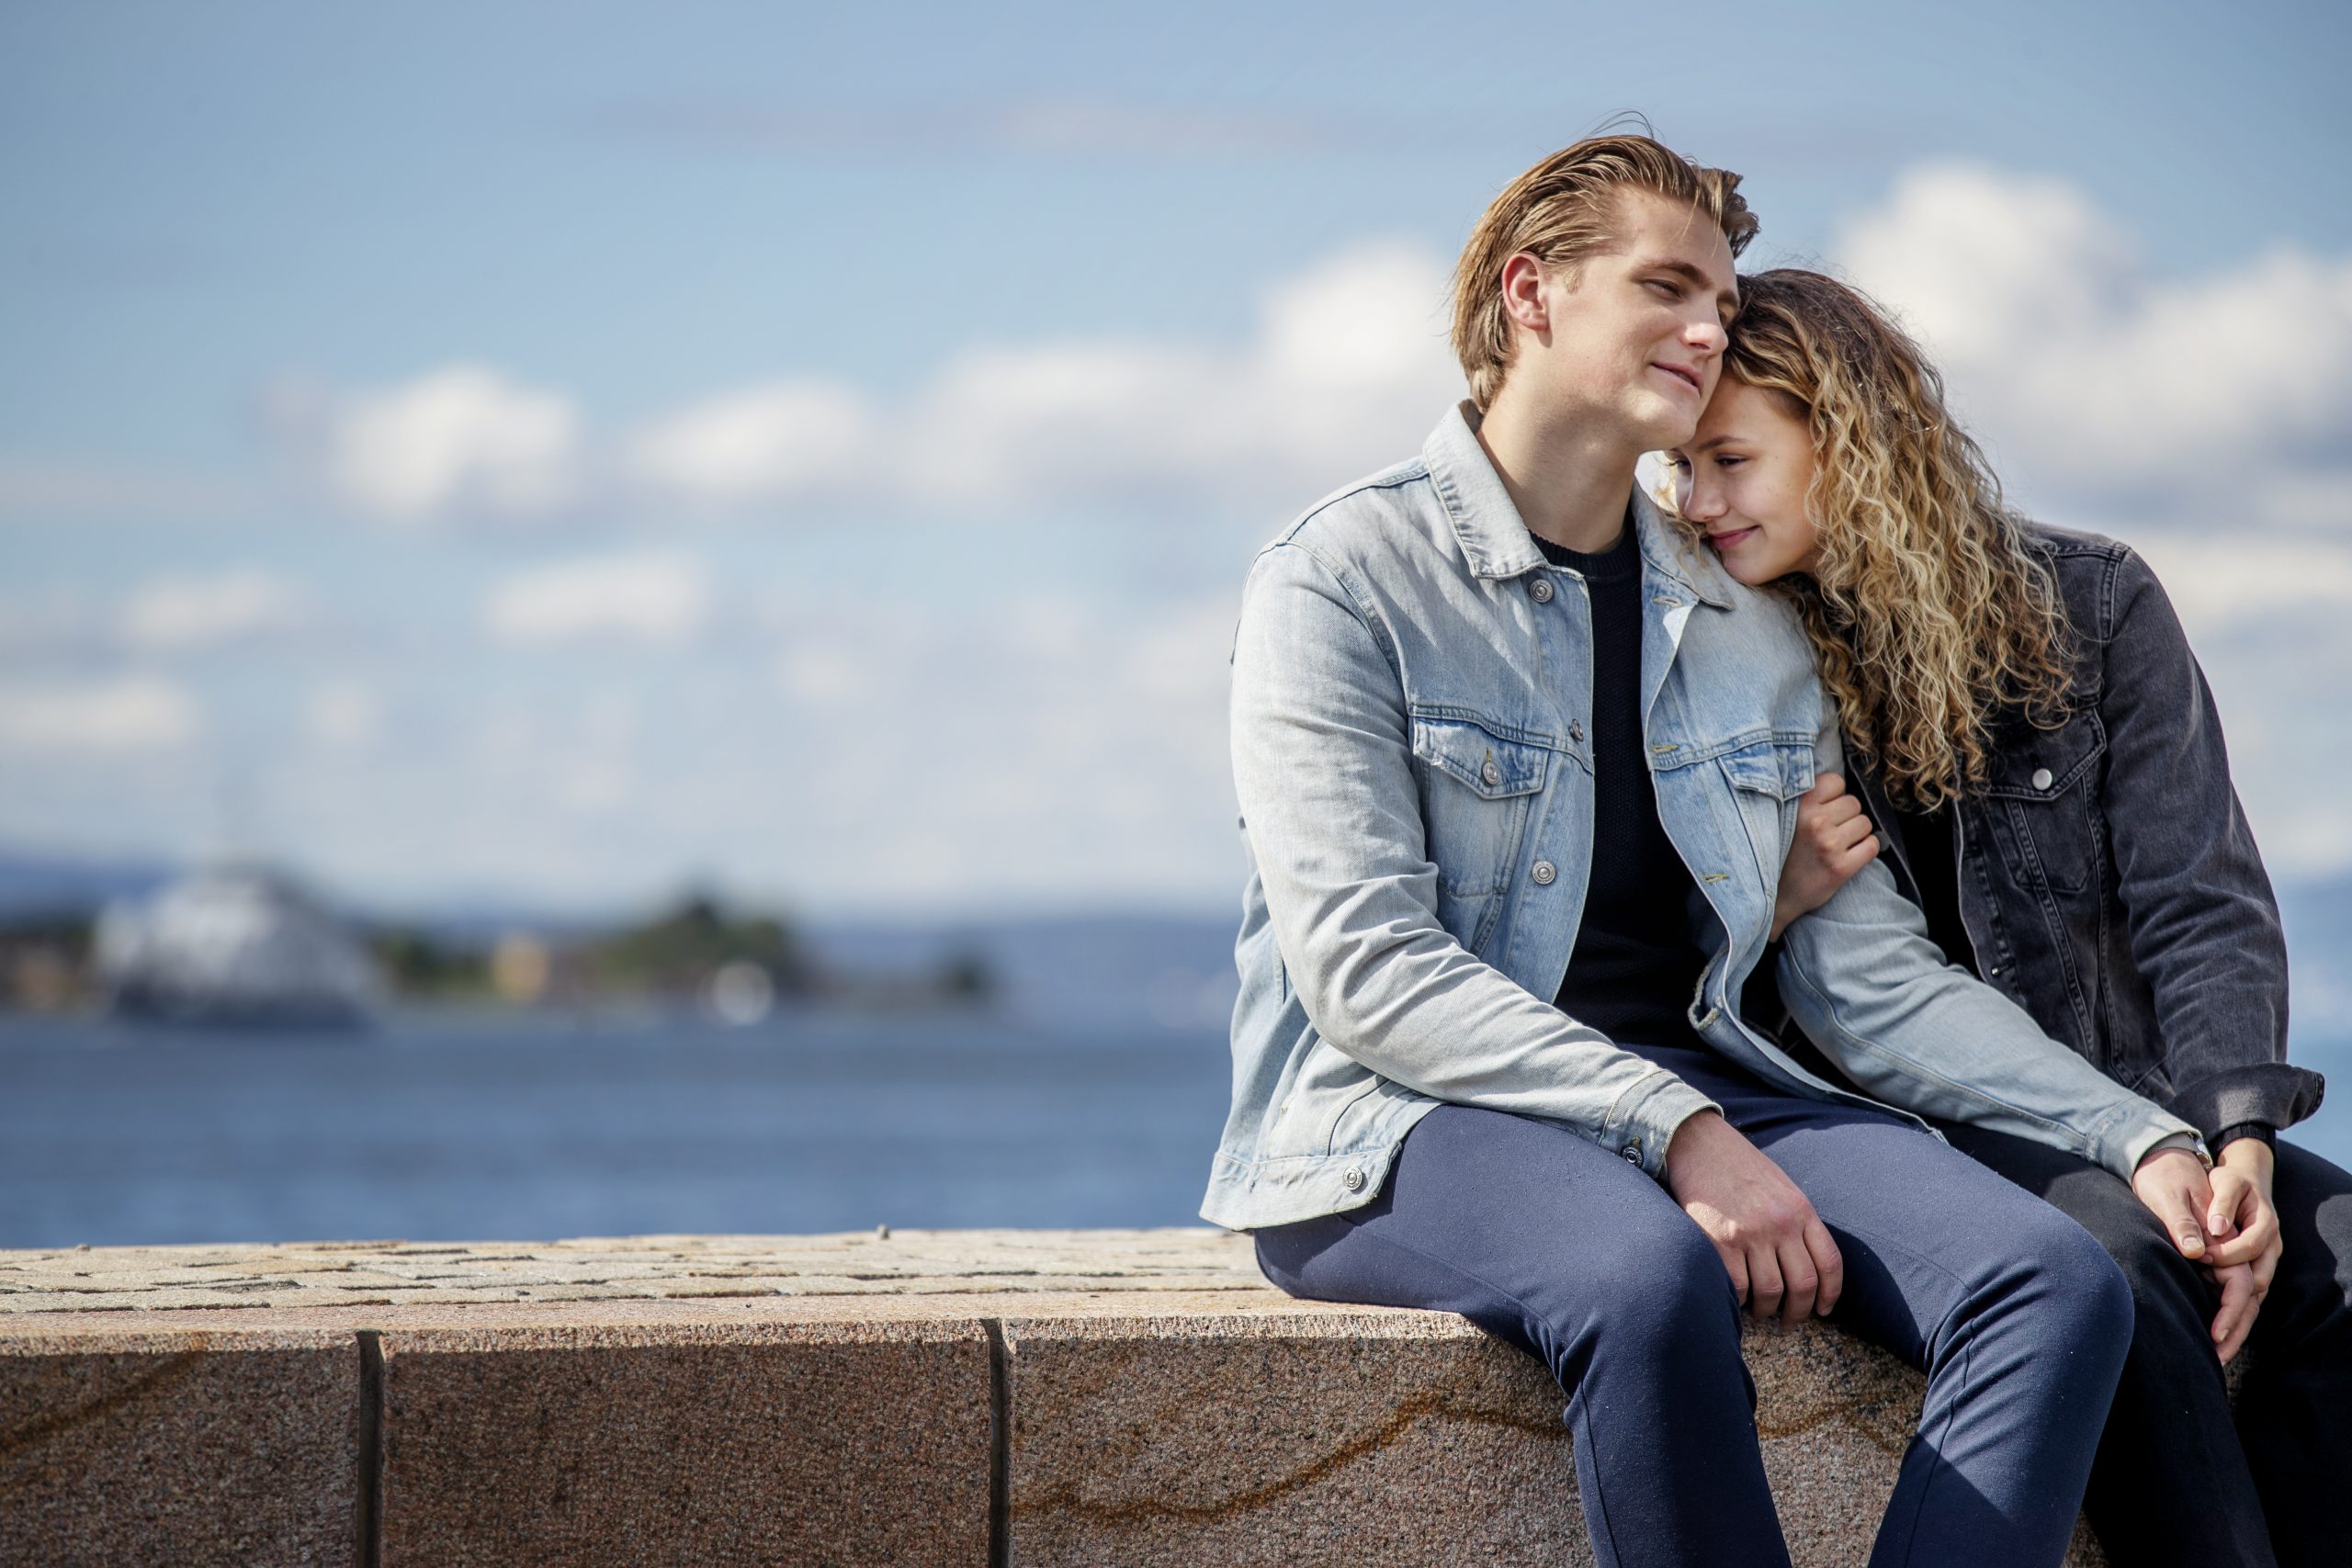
2245 1228
1834 841
1779 1254
2225 1222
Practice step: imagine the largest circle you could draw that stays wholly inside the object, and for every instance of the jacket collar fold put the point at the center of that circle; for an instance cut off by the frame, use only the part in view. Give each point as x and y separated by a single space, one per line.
1495 541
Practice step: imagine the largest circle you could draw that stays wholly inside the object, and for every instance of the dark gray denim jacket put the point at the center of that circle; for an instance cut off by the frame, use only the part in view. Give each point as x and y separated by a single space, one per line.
2108 879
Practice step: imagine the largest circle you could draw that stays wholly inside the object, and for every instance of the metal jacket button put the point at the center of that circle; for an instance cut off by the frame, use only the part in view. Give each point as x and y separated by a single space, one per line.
1491 774
1541 590
1352 1179
1543 874
1634 1152
2041 778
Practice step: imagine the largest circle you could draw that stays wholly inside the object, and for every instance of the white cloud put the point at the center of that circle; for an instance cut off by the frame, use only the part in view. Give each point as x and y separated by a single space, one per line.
659 597
2219 583
175 614
786 441
343 713
2101 381
123 713
461 439
1347 369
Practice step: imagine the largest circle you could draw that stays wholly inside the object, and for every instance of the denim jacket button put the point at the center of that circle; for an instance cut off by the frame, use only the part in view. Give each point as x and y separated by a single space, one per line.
1541 590
2041 778
1633 1152
1352 1179
1492 774
1542 873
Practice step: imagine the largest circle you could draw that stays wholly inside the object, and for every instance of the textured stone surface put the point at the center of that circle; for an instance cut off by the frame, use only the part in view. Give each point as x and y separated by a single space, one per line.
1352 1438
826 1400
813 1444
1358 1435
131 1444
393 1273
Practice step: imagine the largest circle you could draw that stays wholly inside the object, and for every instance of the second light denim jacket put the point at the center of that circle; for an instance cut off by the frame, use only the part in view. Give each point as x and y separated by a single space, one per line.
1411 686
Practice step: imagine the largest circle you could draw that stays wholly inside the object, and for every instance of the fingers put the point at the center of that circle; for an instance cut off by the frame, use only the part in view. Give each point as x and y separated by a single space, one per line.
1838 838
2233 1196
2259 1239
2175 1189
1736 1264
1800 1281
1765 1286
1829 1264
2235 1318
1827 787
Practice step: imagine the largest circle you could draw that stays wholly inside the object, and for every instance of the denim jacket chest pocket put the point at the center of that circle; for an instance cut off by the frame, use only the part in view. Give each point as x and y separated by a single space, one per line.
1767 776
2040 800
1479 784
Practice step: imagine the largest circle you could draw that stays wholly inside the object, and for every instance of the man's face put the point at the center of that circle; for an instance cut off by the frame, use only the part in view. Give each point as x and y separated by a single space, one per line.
1636 342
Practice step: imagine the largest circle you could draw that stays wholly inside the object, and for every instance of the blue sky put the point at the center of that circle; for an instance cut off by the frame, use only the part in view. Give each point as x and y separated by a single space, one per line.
552 452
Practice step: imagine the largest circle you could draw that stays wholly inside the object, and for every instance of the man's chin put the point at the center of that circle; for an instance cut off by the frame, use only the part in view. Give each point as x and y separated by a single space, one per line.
1669 429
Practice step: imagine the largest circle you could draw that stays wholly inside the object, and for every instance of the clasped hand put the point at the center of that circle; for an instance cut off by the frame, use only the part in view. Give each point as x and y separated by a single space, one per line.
2223 1221
1779 1254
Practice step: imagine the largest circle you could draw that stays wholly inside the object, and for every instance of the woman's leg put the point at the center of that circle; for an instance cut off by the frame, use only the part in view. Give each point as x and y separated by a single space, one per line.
1557 1246
2171 1485
2016 1315
2295 1409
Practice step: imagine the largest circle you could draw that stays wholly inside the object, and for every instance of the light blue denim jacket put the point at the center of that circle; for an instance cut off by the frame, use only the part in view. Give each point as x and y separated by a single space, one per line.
1412 696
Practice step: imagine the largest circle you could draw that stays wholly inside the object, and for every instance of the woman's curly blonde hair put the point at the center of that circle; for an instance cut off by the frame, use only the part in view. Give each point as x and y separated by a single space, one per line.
1929 614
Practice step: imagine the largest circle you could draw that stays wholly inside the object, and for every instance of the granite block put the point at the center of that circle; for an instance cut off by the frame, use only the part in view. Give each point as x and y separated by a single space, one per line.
141 1445
1358 1436
824 1445
1363 1436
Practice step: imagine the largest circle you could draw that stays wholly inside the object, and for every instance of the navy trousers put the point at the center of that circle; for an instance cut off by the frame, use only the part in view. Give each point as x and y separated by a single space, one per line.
1544 1239
2181 1480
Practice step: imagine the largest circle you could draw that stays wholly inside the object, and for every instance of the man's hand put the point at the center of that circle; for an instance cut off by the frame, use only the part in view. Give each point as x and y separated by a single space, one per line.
2173 1184
1834 841
2245 1228
2225 1222
1779 1254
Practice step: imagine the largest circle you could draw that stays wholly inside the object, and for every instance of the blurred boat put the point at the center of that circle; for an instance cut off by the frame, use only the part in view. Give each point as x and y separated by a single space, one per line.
235 944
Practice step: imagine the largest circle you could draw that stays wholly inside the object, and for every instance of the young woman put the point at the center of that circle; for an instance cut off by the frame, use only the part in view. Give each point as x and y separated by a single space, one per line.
2034 748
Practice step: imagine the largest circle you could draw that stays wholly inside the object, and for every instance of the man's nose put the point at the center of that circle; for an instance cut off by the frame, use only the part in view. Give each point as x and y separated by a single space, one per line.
1708 335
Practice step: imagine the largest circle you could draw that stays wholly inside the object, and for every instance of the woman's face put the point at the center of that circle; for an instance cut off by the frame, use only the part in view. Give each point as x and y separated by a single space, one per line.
1743 479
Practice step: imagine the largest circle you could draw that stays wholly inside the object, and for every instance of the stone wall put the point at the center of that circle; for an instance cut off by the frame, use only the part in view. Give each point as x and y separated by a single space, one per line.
983 1398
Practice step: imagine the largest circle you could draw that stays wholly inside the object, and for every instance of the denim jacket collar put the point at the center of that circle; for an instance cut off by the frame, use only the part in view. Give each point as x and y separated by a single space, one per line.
1495 540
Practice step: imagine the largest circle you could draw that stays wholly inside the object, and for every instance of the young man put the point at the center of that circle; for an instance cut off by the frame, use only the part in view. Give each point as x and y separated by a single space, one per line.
1517 778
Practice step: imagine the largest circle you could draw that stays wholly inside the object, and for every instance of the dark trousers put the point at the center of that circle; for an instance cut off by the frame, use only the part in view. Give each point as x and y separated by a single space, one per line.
2178 1478
1555 1244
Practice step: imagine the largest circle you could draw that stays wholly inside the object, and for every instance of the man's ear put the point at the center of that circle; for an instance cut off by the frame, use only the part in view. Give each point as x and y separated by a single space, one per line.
1523 300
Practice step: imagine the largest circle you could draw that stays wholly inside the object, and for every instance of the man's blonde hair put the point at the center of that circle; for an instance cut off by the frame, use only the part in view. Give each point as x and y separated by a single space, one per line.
1561 211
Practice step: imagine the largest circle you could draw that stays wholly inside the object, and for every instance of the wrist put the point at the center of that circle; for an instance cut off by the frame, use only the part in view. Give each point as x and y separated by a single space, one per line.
2250 1154
1688 1134
2189 1144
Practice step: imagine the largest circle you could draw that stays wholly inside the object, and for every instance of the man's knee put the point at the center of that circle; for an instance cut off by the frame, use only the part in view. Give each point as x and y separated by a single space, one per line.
1664 1293
2089 1297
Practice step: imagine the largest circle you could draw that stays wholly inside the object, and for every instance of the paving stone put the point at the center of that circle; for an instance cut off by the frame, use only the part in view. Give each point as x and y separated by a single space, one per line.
816 1444
232 1447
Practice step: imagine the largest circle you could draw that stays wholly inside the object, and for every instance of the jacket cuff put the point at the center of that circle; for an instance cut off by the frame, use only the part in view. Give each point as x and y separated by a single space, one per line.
2278 1093
1644 1120
2136 1128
